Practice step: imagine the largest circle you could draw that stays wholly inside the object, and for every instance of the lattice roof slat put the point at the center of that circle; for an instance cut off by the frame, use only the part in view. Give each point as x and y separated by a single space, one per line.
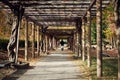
55 12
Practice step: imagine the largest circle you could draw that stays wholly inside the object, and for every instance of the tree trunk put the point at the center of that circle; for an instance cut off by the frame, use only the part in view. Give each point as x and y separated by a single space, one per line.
99 37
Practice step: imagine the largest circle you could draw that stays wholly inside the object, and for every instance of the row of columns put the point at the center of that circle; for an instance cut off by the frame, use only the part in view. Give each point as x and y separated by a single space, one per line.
86 38
14 42
44 42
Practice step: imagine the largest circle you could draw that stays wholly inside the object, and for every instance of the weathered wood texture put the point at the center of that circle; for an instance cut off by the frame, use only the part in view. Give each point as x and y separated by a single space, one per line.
83 39
99 37
89 38
33 40
117 19
26 40
38 40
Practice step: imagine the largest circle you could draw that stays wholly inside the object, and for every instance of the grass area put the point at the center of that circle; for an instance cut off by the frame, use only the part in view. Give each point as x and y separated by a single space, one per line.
110 69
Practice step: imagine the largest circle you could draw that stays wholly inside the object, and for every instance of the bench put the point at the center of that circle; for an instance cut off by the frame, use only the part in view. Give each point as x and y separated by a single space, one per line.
5 63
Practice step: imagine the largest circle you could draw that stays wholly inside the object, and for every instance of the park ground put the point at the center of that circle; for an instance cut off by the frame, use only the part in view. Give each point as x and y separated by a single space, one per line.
81 70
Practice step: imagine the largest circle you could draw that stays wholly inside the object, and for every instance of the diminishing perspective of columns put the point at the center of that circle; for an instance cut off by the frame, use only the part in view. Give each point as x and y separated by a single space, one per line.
78 41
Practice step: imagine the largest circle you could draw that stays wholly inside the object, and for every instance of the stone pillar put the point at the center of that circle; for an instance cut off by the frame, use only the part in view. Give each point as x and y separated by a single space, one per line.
38 40
83 39
99 37
33 40
89 38
26 41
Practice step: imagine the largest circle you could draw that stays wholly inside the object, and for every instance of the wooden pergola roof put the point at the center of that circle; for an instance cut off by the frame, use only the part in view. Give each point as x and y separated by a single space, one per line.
55 12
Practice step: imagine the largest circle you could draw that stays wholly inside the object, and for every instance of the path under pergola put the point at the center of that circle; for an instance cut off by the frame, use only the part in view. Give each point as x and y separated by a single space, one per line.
61 19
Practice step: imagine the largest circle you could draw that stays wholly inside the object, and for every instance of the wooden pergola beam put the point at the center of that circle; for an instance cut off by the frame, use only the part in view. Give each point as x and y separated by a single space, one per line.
91 5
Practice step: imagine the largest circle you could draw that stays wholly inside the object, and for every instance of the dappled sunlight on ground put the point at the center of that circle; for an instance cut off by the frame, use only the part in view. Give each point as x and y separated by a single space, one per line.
58 65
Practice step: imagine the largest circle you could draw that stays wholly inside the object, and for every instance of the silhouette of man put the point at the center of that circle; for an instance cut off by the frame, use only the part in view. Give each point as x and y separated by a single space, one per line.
62 44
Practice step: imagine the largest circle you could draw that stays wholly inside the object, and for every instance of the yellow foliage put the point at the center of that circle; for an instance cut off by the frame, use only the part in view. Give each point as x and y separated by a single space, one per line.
108 33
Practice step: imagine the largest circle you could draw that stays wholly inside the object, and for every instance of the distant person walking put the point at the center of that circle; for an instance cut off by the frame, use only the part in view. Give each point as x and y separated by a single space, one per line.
62 45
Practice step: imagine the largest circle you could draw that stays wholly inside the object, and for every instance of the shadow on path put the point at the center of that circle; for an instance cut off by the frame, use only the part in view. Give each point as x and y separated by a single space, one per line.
18 73
56 66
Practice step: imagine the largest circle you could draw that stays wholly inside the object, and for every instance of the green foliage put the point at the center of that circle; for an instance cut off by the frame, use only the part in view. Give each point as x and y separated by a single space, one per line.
109 70
108 33
107 18
4 43
104 27
93 34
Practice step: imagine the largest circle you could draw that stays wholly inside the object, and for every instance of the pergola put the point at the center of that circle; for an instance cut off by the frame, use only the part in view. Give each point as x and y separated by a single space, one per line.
60 19
55 13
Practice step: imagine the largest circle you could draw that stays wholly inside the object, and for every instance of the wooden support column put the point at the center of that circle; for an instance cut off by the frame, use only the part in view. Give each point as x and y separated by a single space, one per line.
57 43
78 36
99 37
14 38
71 43
33 40
46 43
83 39
53 42
117 19
77 44
89 38
38 40
50 43
26 41
80 42
74 42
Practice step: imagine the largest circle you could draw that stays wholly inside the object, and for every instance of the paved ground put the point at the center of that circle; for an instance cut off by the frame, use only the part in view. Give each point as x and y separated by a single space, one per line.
55 66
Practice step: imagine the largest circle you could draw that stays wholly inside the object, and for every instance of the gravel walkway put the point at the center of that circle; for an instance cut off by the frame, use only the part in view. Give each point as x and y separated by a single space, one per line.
56 66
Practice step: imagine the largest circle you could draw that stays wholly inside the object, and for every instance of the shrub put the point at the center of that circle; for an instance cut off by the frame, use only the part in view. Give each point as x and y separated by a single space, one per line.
4 43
